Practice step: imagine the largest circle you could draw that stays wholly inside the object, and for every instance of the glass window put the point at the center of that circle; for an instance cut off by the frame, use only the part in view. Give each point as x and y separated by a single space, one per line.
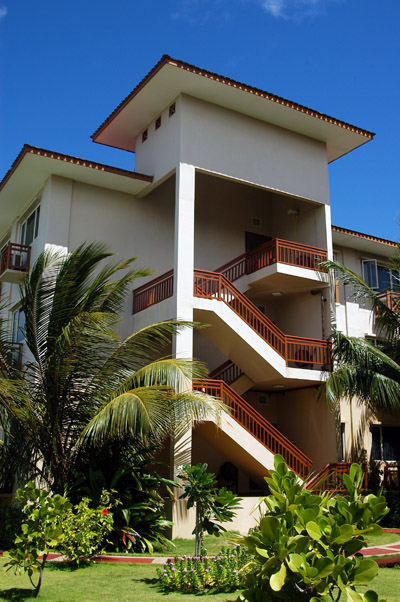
385 443
18 334
370 273
30 227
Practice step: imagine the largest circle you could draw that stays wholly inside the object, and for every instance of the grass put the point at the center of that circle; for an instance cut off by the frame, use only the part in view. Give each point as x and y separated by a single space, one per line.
125 583
212 544
97 583
384 539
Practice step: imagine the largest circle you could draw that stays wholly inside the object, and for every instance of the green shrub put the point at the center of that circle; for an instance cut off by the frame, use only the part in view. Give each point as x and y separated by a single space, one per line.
306 546
10 520
85 529
198 574
392 519
213 506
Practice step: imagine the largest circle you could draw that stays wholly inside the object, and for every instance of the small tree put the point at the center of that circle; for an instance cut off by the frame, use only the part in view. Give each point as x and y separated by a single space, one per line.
213 506
41 531
52 522
305 547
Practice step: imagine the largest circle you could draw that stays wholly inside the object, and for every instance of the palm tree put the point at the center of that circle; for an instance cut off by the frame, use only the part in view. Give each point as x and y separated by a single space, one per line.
83 385
364 371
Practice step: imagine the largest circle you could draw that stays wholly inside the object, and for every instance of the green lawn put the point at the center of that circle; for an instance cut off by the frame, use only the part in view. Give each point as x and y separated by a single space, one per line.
384 539
123 583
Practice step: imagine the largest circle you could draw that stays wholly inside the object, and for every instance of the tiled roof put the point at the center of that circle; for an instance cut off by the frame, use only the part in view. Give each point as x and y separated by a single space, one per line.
383 241
28 149
165 59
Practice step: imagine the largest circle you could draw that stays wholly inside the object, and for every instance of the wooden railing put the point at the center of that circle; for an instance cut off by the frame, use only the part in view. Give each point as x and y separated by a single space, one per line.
330 478
228 372
303 352
277 250
153 292
391 299
256 425
15 257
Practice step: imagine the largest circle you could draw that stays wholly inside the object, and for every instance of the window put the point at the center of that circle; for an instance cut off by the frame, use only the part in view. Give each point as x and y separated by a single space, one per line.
263 399
145 135
18 333
342 442
158 123
30 227
379 277
385 442
172 110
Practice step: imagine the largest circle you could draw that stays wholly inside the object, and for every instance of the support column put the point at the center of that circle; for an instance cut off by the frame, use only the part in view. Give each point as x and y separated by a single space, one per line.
184 256
181 450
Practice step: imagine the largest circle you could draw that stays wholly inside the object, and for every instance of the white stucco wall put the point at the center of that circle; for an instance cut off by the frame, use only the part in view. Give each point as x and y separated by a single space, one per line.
226 142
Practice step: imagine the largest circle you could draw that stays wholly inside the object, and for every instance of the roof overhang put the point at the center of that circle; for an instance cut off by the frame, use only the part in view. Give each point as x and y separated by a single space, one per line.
34 166
171 77
363 242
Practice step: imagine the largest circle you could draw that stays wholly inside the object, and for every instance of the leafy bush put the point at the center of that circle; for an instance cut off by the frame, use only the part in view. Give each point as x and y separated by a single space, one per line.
212 506
41 531
392 519
139 520
10 520
198 574
51 522
306 545
85 529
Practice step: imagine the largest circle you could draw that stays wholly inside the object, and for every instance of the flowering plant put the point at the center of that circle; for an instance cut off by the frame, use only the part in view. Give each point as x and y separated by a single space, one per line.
221 573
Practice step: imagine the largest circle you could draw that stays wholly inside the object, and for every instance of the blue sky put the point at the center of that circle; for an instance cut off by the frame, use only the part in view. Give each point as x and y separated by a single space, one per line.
65 66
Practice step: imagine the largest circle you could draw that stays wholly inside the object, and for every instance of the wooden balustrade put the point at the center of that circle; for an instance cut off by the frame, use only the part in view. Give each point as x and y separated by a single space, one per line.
153 292
277 250
303 352
391 299
228 372
15 257
330 478
257 425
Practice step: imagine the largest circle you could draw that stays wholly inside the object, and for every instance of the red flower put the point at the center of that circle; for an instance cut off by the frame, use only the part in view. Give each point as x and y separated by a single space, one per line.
104 511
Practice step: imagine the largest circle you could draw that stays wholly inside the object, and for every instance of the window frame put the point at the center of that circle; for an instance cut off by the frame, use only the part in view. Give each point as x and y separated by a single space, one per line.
23 226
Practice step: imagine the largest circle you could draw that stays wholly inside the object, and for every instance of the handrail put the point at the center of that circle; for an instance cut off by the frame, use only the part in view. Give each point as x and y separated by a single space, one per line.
228 372
330 478
303 352
391 299
273 251
153 292
256 425
15 257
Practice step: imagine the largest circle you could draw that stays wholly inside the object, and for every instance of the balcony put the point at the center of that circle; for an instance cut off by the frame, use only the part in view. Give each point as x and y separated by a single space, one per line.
391 299
14 263
274 251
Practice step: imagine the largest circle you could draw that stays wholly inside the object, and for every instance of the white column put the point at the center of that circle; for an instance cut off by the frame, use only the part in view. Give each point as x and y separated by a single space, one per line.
184 256
181 449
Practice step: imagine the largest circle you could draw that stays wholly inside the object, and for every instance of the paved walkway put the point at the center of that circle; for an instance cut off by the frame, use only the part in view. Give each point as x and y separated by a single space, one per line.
389 548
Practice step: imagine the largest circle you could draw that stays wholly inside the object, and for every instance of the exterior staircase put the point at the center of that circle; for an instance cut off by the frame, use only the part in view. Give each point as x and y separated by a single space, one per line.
255 424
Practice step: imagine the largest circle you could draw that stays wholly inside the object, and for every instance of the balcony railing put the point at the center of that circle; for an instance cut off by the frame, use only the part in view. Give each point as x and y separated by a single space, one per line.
153 292
15 257
330 478
391 299
274 251
228 372
257 425
302 352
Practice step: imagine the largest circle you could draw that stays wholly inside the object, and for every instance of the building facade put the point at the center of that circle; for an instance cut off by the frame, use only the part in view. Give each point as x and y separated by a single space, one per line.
229 204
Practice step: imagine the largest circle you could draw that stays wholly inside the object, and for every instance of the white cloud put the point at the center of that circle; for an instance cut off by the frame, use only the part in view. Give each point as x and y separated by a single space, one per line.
200 11
3 12
295 9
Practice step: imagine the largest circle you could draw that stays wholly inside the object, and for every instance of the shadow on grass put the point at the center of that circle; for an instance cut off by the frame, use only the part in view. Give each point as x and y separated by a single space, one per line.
16 594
